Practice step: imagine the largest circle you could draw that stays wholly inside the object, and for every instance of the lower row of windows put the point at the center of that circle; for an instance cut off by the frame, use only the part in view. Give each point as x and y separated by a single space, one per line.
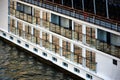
53 58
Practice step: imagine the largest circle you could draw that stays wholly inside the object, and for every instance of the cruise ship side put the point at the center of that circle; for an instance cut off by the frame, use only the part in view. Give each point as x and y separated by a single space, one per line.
80 36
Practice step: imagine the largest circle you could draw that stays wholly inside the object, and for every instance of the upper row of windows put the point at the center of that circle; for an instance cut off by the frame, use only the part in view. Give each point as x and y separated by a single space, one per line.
66 23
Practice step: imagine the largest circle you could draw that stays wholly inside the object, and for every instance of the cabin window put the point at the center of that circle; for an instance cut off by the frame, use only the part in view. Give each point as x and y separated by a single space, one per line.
26 45
54 59
76 70
11 37
19 41
89 76
44 54
114 62
65 64
36 50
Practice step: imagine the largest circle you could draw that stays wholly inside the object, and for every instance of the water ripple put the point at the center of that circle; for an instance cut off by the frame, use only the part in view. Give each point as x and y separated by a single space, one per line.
17 65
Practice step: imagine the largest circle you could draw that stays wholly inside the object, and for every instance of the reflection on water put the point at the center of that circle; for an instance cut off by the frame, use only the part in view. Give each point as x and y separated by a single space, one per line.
18 65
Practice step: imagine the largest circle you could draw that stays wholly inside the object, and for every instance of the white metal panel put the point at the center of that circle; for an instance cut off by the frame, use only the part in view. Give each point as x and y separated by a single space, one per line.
4 14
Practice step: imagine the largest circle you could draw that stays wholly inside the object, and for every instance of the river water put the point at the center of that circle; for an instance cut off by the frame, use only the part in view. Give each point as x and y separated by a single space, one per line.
18 65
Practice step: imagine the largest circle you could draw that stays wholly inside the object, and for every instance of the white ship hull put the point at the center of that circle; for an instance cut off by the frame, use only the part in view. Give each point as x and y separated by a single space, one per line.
104 69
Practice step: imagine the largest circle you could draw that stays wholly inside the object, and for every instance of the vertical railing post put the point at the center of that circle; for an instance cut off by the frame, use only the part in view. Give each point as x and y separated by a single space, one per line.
62 2
83 5
107 12
73 27
94 6
72 52
72 4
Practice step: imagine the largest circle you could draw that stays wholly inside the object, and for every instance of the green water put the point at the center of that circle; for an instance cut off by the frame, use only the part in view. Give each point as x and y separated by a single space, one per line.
18 65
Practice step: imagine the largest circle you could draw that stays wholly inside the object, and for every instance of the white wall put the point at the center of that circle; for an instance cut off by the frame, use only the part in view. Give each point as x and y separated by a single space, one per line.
4 14
106 68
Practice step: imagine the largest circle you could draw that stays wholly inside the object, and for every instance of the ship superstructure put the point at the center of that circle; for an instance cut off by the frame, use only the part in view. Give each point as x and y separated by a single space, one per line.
67 33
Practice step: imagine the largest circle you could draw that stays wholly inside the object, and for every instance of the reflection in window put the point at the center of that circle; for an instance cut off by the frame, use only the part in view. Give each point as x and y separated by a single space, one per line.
36 35
12 25
90 60
90 35
78 31
66 23
28 32
77 54
27 9
37 16
55 45
20 28
46 16
20 7
66 49
45 40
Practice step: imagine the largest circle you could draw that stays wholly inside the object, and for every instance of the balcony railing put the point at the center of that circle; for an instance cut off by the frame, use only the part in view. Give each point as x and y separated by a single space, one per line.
88 17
